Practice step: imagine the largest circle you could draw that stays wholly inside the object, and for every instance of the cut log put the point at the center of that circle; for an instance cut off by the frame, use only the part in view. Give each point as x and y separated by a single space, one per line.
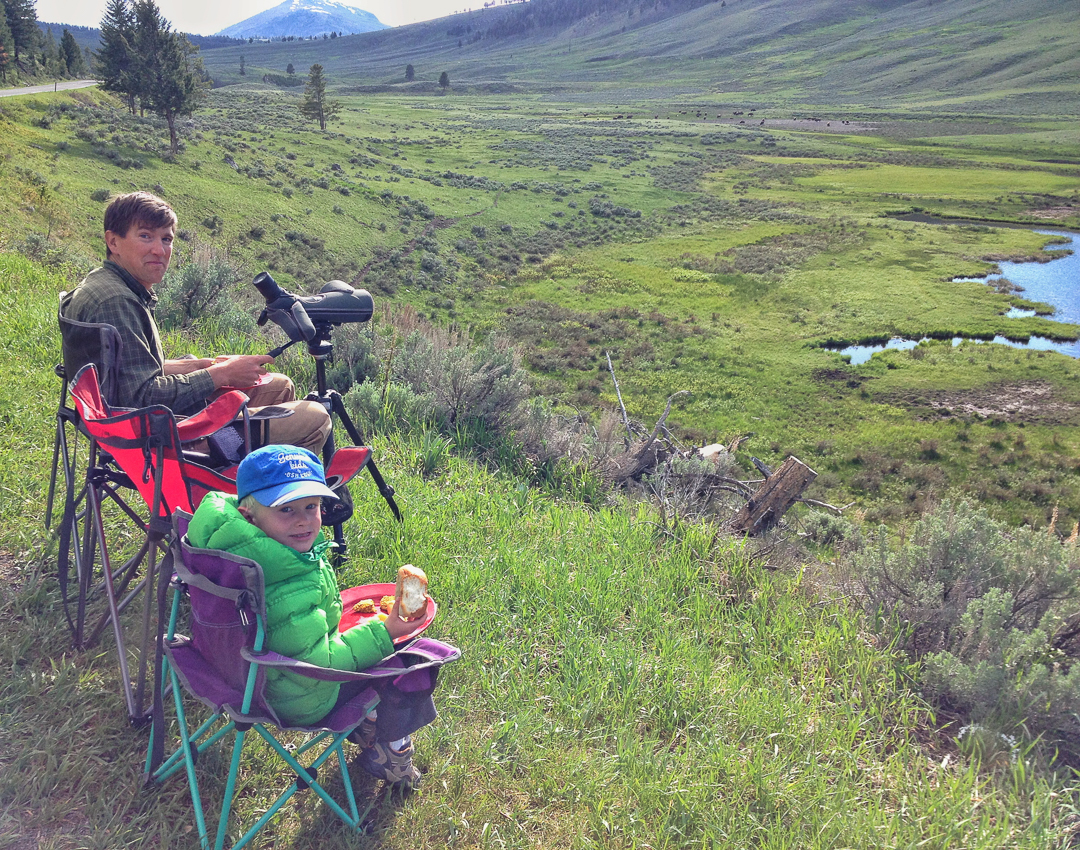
775 495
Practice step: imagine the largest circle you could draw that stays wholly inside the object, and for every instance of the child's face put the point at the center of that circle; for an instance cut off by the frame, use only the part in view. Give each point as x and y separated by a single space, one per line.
294 524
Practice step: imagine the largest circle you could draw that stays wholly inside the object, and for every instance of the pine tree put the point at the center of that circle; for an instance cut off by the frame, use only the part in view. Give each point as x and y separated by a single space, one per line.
316 105
22 23
116 59
410 73
51 60
170 73
7 48
70 53
444 80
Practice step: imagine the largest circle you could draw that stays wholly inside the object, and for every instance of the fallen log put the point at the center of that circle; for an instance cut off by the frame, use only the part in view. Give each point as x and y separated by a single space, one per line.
776 494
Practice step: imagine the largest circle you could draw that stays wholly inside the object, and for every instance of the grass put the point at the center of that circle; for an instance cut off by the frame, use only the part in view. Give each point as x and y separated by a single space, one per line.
711 257
626 682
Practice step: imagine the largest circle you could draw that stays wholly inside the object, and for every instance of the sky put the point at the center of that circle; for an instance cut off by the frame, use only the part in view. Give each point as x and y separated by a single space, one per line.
206 17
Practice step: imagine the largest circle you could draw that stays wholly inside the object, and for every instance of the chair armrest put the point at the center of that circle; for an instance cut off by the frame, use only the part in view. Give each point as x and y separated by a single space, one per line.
345 463
219 413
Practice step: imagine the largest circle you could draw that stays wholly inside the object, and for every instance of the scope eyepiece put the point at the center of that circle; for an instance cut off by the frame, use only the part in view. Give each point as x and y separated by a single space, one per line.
267 286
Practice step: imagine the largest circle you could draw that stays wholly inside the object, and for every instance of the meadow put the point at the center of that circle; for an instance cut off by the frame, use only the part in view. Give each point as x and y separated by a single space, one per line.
630 679
703 254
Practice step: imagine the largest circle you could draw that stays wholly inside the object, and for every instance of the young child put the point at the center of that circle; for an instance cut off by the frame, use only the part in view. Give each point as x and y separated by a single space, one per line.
275 520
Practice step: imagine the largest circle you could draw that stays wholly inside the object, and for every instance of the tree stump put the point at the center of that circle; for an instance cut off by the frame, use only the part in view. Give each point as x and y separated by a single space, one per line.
775 495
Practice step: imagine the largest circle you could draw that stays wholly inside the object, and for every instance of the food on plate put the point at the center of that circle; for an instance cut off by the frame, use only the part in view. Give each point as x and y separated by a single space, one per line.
386 603
365 606
411 590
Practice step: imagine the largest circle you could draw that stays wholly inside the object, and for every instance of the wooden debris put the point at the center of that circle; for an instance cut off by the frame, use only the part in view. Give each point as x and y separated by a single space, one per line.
775 495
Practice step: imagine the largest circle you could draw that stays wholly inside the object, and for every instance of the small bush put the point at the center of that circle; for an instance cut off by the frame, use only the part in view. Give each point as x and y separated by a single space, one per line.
202 290
992 614
100 195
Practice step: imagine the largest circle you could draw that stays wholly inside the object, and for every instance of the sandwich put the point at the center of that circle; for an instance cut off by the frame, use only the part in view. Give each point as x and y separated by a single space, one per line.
411 591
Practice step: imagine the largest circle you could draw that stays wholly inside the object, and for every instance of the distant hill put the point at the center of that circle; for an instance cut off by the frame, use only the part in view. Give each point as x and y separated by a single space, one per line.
305 18
966 56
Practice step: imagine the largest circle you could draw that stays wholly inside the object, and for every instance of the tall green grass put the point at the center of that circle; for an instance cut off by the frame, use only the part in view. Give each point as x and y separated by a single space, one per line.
625 682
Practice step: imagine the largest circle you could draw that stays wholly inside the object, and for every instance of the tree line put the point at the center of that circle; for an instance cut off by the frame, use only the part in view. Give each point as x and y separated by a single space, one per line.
25 51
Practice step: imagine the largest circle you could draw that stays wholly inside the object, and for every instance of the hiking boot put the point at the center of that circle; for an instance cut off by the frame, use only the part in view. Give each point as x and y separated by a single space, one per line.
364 734
395 767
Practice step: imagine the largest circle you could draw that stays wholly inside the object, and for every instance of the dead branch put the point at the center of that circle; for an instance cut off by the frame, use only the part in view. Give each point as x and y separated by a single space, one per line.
618 395
814 503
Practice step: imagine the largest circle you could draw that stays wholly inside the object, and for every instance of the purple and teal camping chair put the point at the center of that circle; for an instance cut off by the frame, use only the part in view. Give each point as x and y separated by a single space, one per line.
223 663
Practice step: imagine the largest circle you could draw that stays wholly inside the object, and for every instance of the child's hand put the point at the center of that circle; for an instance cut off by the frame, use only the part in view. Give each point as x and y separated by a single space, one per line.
398 627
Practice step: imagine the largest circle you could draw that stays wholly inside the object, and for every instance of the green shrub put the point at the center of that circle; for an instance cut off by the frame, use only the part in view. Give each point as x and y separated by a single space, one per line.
991 611
389 409
200 290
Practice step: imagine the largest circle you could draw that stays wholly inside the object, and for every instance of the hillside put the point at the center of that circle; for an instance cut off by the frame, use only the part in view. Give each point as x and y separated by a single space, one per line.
927 54
592 189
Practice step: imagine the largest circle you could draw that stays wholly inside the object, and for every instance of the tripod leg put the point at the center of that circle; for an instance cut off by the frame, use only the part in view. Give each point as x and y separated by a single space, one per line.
387 492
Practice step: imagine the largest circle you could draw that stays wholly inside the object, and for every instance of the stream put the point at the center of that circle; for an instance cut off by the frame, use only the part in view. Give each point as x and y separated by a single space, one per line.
1056 282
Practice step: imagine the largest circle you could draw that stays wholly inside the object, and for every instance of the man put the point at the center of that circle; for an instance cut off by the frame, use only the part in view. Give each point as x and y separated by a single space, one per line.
139 232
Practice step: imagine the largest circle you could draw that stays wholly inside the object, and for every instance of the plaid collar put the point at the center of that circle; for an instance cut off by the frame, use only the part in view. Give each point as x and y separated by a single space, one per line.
147 296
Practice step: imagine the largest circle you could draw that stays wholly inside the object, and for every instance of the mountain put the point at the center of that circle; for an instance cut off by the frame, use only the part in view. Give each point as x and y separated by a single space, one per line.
304 18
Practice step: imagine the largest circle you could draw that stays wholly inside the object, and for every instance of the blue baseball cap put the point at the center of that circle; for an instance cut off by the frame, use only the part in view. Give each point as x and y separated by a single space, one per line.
275 475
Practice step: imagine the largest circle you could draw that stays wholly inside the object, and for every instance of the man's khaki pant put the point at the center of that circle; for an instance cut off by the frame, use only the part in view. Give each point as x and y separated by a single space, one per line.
308 426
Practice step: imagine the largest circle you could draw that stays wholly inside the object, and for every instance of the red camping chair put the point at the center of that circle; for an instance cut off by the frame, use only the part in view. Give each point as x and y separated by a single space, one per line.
128 450
143 450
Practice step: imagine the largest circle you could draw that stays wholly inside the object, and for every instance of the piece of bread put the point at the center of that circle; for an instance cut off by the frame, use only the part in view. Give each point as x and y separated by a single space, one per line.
411 591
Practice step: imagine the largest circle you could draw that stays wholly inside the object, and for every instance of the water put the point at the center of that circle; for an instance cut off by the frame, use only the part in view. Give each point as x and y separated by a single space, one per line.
1056 282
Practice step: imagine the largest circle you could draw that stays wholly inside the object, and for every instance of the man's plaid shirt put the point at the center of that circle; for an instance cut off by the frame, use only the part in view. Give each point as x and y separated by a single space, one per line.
112 296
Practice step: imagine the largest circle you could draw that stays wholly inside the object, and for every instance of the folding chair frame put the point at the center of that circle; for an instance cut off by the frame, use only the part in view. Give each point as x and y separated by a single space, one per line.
140 450
251 713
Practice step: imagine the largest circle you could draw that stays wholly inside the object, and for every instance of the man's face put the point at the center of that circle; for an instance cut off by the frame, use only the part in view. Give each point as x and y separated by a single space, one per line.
294 524
144 252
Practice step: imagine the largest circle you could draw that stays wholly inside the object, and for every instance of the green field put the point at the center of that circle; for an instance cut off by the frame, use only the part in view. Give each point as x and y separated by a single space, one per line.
716 258
588 190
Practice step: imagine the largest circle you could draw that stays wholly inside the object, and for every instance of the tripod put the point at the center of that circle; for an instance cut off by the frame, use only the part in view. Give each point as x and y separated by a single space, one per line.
321 348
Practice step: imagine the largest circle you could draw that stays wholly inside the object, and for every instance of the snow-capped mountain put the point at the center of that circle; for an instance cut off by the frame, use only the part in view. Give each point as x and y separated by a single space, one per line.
304 18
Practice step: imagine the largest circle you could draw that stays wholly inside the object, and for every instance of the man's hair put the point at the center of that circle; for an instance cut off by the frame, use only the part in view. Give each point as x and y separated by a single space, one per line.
140 209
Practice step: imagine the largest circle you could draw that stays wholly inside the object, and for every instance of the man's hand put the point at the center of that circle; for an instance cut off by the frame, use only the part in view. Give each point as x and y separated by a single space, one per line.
238 370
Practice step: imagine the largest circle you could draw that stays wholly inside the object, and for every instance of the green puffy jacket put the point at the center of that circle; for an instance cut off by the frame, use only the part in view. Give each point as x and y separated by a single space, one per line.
303 606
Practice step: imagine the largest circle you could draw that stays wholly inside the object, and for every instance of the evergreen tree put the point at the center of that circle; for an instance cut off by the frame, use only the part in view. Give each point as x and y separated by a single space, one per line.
444 80
170 73
242 65
116 66
316 105
7 48
70 53
410 73
22 23
51 59
290 70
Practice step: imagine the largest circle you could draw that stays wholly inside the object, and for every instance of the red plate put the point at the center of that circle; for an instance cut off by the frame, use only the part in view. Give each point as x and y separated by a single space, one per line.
375 592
